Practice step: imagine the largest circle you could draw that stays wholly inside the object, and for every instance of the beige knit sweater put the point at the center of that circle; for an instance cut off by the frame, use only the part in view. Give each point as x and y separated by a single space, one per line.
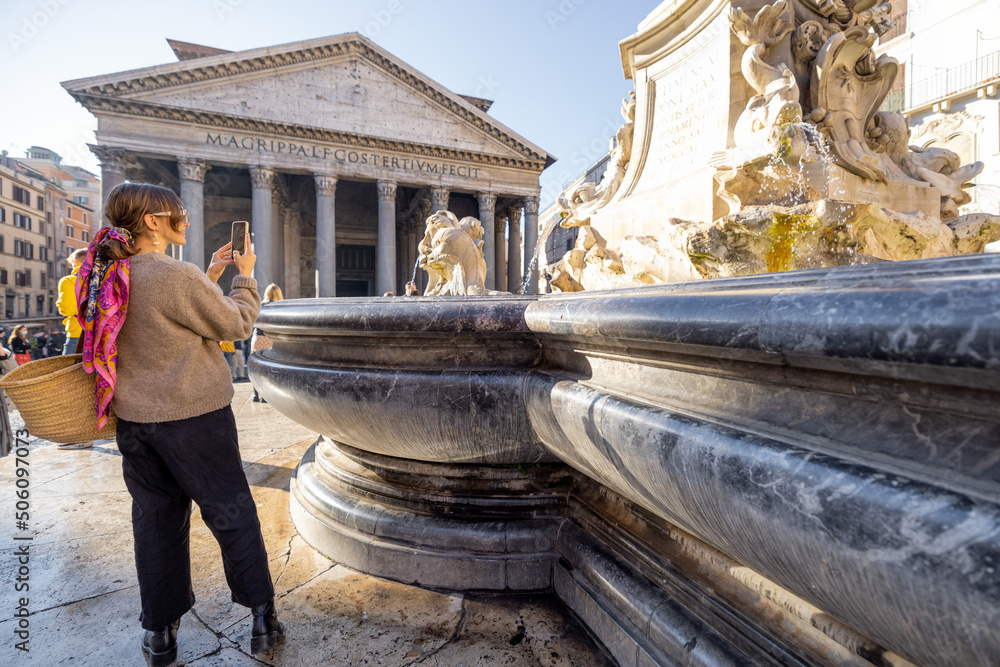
169 363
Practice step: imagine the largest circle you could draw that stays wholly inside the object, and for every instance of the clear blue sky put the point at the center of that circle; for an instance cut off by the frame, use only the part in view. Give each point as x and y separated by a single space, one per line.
552 66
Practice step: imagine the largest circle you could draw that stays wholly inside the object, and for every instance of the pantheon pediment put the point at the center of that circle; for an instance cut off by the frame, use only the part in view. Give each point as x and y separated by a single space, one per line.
343 84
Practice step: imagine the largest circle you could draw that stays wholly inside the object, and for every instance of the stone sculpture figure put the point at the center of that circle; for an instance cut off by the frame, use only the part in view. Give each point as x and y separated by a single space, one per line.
889 134
451 252
845 96
771 124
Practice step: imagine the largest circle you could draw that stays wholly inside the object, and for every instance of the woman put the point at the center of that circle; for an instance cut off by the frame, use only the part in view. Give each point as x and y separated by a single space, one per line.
260 341
150 325
20 345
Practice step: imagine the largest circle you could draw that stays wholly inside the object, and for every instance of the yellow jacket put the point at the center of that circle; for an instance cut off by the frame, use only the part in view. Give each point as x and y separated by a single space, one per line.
67 304
227 346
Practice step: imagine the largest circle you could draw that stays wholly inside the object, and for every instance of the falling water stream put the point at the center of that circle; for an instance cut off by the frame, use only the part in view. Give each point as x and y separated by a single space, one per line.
539 246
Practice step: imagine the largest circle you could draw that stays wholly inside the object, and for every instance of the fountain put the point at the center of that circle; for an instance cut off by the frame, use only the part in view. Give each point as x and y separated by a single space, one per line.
769 467
815 177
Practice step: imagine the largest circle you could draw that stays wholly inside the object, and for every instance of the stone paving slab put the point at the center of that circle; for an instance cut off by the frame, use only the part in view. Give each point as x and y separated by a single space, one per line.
84 600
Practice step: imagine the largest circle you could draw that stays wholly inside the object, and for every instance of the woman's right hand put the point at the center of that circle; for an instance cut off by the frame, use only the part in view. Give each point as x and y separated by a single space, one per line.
245 261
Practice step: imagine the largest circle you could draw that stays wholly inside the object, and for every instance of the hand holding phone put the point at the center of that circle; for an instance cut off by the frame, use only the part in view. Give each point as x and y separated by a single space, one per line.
240 230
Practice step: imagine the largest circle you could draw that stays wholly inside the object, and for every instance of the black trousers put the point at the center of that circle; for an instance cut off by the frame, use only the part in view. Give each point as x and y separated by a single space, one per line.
167 465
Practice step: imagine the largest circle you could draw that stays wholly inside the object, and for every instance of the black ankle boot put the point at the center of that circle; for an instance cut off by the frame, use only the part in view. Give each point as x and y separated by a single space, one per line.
160 647
266 631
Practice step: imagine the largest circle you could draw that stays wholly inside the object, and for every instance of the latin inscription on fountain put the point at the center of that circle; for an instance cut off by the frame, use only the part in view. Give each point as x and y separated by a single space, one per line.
690 107
342 155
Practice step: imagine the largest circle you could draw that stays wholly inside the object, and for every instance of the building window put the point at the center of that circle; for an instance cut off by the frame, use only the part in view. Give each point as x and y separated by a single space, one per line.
81 199
41 280
84 218
22 196
86 236
3 214
43 253
3 276
29 251
40 301
22 221
41 227
40 203
27 277
69 231
18 248
1 242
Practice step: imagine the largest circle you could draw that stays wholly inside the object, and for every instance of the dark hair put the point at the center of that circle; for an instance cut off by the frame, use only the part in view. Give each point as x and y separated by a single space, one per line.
127 204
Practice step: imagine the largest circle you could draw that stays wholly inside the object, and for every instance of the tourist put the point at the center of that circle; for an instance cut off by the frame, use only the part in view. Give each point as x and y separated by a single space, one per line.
260 341
66 301
228 351
239 362
20 345
170 389
412 290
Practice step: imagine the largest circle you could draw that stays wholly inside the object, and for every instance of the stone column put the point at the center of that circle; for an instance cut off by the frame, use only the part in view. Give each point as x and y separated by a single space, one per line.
278 254
487 202
531 243
514 249
262 226
439 200
293 232
500 253
385 253
326 235
192 174
113 164
401 271
426 209
411 250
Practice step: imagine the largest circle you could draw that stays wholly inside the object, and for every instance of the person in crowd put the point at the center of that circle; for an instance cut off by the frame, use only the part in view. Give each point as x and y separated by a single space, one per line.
7 364
33 348
55 344
150 325
66 301
20 345
412 290
228 351
259 340
239 362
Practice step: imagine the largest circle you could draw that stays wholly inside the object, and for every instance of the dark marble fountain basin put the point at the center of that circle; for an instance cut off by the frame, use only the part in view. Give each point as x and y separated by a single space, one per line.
797 468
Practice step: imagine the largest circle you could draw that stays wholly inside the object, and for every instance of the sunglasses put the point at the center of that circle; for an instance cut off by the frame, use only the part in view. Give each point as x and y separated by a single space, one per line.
183 214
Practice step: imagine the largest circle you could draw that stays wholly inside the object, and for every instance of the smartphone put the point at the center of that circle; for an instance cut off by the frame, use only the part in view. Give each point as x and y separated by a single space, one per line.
240 229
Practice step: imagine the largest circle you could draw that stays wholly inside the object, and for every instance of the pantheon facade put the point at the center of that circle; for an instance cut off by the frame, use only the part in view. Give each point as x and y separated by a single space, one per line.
333 148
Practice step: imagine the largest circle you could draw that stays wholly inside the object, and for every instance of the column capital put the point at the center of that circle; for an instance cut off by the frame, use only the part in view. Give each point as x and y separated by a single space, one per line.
192 169
326 184
439 197
487 201
514 212
386 190
111 158
261 177
531 204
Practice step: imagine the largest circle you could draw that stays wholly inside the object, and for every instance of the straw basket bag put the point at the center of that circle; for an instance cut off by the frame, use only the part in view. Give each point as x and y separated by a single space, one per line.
55 397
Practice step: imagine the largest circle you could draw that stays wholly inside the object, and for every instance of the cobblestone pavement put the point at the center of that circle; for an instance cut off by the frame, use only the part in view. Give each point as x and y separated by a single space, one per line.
83 599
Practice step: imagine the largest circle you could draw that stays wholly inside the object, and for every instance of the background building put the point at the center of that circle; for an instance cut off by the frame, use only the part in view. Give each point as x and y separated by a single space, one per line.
336 150
78 216
948 83
26 242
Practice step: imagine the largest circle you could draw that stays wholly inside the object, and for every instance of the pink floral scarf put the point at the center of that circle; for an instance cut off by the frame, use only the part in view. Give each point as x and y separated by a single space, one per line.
102 288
